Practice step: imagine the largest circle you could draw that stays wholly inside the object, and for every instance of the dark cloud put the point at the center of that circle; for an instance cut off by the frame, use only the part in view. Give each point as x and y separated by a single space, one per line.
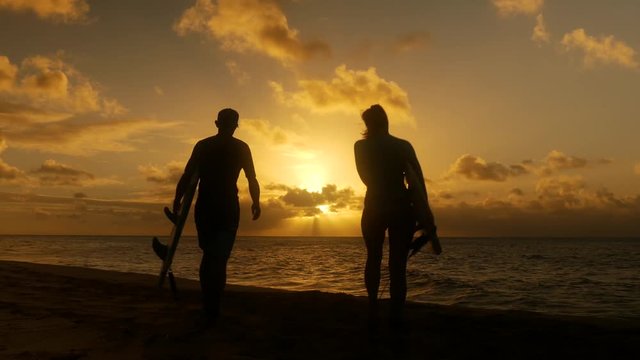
536 220
8 172
79 195
329 195
562 192
83 138
475 168
411 42
168 175
53 173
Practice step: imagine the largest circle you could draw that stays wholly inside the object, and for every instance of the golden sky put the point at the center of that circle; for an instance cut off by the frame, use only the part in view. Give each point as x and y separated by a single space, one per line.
523 113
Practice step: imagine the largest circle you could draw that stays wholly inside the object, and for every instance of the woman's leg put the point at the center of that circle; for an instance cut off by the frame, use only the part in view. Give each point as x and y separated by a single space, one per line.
400 236
373 229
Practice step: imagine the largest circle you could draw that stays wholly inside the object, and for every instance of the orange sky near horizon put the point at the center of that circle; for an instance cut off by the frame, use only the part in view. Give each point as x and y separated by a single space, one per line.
523 113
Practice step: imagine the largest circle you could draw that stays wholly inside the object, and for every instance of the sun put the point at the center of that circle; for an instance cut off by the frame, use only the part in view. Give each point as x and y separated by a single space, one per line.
311 177
323 208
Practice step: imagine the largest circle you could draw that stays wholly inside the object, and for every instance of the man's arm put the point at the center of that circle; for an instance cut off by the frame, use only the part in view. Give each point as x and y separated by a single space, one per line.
254 187
254 191
190 169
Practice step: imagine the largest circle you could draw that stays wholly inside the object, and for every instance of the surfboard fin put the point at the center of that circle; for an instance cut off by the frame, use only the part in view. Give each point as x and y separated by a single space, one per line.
431 238
170 215
159 248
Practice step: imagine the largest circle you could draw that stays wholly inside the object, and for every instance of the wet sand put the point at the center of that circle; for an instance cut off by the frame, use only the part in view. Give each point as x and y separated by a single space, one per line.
57 312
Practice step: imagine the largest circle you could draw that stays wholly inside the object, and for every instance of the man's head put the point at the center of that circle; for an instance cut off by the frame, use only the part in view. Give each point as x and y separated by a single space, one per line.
227 121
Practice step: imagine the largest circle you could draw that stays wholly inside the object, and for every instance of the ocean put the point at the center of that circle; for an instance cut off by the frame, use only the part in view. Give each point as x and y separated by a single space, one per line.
561 276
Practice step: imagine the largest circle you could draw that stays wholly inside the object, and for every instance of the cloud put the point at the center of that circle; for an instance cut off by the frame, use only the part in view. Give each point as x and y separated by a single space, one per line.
8 73
561 192
48 105
273 134
540 34
67 11
249 25
475 168
238 74
53 173
8 172
83 138
557 160
518 7
605 50
46 89
308 201
349 91
168 175
411 41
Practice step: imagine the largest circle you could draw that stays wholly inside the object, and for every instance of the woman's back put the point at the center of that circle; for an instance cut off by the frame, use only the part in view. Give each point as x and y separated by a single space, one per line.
381 161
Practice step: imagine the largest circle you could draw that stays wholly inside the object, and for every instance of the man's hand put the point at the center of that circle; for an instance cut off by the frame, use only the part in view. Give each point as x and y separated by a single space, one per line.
255 210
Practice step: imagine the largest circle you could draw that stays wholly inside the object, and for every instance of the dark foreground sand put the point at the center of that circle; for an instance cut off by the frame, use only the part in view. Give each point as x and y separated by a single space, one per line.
55 312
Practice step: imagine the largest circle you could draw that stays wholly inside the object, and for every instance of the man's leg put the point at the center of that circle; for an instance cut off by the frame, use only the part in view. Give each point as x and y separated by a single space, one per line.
213 269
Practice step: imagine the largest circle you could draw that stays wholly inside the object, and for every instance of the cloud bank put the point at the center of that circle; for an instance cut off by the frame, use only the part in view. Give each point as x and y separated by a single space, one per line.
249 25
48 105
603 50
8 172
475 168
66 11
349 91
518 7
46 89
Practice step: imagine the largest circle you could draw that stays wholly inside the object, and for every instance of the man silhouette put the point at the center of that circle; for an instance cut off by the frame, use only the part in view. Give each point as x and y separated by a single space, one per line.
217 161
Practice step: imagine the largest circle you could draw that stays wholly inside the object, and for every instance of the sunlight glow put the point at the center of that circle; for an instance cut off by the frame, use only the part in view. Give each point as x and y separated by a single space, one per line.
311 177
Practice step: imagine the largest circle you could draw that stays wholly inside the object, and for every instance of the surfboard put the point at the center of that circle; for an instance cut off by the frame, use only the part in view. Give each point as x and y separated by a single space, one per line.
425 233
167 252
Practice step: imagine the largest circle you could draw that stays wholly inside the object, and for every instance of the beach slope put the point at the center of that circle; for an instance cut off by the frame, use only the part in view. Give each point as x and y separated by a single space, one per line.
57 312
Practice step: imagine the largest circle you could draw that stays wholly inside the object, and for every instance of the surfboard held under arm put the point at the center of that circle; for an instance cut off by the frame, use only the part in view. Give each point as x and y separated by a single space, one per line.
425 234
166 252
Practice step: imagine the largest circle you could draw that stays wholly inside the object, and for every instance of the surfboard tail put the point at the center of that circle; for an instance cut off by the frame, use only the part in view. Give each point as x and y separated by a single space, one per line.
159 248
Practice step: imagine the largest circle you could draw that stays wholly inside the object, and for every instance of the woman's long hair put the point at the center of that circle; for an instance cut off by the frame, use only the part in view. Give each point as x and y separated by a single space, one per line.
376 121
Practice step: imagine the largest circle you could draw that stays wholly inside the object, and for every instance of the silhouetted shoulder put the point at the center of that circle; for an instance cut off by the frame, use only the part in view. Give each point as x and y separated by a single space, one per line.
241 143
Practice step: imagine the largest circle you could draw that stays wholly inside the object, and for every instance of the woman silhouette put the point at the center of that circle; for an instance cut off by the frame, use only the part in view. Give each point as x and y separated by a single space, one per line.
382 161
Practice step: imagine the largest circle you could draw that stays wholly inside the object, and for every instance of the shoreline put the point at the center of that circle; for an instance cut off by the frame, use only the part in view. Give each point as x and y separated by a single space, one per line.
53 311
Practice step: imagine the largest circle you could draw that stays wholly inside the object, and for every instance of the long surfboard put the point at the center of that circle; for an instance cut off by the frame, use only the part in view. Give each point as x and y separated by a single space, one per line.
167 252
426 230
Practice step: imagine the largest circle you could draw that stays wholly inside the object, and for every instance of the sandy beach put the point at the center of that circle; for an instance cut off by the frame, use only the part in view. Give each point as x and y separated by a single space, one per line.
56 312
